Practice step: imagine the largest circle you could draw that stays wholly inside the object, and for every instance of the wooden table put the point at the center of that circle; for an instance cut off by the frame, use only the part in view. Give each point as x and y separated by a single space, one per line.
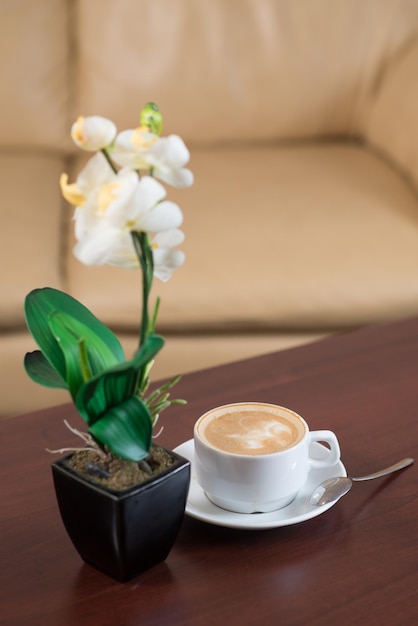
355 564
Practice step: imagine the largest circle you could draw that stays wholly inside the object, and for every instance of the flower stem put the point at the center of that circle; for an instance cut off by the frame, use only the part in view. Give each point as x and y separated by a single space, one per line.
144 253
154 315
109 160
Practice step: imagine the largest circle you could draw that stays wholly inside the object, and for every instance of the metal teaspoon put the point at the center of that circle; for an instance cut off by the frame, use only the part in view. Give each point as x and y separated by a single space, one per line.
333 488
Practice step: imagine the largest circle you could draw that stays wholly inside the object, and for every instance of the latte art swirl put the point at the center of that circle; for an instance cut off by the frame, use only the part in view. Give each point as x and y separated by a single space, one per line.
251 432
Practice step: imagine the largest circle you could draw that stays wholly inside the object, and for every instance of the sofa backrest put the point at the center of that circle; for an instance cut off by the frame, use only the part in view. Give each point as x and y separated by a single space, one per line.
239 70
35 66
221 70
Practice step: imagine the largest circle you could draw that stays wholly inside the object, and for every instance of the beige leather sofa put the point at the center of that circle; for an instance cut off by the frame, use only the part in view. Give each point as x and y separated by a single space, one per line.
301 118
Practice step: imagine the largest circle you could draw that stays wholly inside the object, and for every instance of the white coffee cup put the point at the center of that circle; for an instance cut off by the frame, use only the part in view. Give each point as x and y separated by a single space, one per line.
253 457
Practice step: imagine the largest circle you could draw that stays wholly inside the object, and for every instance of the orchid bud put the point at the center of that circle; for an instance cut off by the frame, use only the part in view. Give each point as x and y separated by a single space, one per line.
93 133
152 118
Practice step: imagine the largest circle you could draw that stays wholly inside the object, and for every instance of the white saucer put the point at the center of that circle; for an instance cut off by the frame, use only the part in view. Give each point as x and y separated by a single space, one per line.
199 507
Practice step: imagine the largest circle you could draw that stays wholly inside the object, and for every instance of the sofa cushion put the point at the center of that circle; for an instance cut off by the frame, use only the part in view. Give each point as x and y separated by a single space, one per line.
19 394
304 236
190 352
30 238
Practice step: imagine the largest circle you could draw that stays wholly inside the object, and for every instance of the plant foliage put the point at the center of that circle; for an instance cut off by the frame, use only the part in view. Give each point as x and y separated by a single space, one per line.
121 218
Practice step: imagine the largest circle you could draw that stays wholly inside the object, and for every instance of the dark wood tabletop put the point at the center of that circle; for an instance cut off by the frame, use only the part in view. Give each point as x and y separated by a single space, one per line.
355 564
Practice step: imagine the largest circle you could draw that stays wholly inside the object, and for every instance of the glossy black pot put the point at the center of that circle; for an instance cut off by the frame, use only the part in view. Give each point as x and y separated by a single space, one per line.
123 533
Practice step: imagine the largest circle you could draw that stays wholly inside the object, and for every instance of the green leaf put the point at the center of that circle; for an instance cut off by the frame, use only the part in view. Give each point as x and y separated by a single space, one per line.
103 392
41 372
147 351
75 340
41 303
126 430
70 347
116 385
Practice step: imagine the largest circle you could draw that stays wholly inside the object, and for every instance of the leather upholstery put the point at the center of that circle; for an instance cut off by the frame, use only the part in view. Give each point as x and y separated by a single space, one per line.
301 121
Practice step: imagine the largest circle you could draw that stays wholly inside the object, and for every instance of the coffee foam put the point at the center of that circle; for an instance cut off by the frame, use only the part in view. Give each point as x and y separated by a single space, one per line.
251 431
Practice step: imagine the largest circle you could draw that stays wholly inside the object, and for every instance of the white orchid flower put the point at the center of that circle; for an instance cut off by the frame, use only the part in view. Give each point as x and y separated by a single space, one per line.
131 148
97 247
165 156
166 260
140 207
93 133
96 187
106 204
95 174
105 221
115 247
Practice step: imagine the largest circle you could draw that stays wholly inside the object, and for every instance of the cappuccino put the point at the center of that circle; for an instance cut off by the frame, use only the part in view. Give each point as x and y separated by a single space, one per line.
251 430
254 457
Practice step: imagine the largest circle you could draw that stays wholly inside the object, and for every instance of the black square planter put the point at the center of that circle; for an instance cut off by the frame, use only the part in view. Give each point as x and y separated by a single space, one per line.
123 533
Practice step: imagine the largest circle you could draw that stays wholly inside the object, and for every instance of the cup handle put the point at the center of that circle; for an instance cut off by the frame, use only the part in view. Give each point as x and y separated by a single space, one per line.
333 456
